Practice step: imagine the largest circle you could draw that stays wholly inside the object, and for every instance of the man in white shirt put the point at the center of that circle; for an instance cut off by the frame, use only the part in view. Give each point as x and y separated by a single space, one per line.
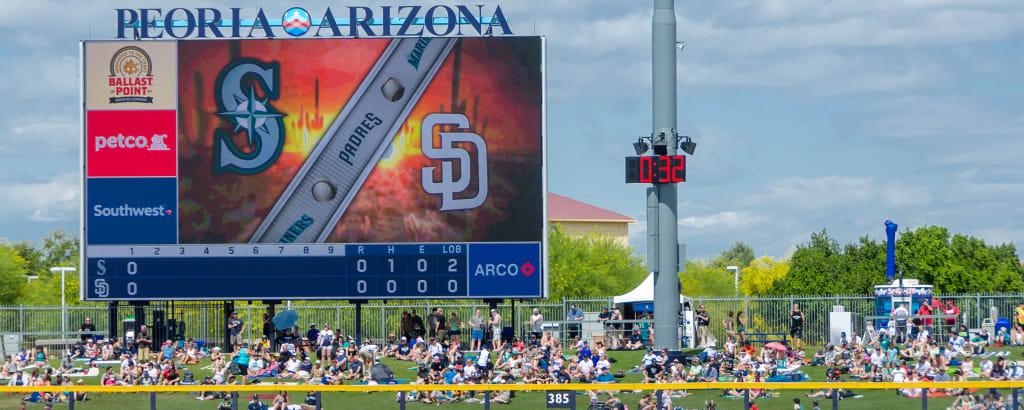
986 367
537 324
435 348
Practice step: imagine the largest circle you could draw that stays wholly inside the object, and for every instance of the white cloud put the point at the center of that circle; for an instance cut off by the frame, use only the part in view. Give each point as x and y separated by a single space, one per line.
730 220
815 193
901 194
57 198
53 135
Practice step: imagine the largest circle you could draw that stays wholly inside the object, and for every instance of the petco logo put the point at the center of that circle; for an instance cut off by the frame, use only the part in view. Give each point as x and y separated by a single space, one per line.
128 210
155 143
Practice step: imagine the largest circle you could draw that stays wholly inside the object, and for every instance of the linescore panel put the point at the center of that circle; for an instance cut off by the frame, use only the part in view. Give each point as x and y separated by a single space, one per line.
354 271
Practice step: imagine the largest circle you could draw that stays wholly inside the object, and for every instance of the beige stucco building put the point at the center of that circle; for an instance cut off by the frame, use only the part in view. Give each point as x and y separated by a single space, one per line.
579 218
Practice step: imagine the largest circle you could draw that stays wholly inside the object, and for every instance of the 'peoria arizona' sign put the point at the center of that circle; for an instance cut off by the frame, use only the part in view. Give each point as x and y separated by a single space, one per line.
353 21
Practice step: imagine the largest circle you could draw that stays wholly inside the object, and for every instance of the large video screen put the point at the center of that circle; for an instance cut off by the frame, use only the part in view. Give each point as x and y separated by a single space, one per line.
388 168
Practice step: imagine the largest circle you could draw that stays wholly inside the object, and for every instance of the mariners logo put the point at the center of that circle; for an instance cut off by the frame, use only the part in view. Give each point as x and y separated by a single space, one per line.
131 76
295 21
238 103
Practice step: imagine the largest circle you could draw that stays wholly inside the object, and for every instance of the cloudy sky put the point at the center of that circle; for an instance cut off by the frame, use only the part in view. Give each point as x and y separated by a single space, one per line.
808 114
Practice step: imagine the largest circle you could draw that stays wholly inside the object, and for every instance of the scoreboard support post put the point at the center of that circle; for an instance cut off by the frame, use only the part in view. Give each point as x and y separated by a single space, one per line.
112 320
228 308
359 322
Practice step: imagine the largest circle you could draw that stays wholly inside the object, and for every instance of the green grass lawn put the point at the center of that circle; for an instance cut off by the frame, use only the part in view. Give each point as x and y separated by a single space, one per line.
873 399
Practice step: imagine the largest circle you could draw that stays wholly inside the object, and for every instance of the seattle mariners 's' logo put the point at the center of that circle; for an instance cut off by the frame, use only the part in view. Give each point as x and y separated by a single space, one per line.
295 21
260 121
449 186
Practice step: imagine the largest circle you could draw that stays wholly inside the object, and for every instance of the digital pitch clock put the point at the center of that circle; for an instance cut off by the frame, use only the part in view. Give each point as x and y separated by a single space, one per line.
656 169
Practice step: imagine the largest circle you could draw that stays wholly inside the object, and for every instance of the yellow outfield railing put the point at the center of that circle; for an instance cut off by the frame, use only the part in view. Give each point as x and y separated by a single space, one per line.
518 387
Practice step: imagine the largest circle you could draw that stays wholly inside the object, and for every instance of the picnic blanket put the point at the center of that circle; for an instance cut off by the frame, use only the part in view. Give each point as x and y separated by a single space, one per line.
937 394
397 381
765 395
270 371
789 378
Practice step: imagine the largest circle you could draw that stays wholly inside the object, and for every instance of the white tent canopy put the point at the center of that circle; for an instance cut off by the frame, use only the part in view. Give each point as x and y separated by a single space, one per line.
643 293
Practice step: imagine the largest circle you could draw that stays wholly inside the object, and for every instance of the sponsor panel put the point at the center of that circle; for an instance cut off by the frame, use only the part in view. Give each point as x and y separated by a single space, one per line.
123 211
131 143
130 75
505 269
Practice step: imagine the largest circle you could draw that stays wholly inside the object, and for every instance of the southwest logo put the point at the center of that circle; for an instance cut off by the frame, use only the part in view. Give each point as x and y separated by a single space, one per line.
128 210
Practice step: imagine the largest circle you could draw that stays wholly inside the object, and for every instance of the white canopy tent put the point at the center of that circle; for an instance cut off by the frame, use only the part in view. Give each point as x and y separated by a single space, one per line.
643 293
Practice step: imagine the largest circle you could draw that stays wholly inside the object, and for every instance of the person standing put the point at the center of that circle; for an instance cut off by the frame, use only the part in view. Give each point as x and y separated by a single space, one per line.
495 330
87 327
145 342
432 323
268 324
442 326
1018 324
455 329
703 322
900 314
476 326
617 334
741 326
575 315
796 326
417 325
537 324
235 327
603 319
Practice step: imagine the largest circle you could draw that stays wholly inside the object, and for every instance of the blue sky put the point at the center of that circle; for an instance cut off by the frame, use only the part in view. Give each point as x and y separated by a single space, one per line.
808 114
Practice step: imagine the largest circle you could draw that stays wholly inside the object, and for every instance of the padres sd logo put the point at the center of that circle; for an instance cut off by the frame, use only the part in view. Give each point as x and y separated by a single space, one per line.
131 76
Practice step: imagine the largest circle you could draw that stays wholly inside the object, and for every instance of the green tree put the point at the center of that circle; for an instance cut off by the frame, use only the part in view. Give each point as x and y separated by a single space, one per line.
762 273
817 267
12 274
59 248
705 278
592 265
739 254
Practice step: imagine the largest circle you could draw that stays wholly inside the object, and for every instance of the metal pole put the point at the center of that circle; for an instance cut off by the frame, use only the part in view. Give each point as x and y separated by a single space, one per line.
319 401
359 322
401 400
1016 402
746 399
835 400
663 74
487 400
924 399
234 400
152 400
63 313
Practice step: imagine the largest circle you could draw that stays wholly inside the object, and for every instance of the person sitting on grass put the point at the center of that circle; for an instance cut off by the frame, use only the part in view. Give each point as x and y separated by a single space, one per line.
979 342
404 351
40 356
710 372
170 376
355 369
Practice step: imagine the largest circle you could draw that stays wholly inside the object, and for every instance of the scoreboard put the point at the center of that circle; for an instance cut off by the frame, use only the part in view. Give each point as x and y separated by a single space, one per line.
383 168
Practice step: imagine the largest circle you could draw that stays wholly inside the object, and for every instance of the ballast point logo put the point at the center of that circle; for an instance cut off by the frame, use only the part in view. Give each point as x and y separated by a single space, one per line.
131 76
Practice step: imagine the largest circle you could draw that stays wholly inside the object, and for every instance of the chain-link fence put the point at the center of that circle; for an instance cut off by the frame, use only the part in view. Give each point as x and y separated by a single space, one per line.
24 325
